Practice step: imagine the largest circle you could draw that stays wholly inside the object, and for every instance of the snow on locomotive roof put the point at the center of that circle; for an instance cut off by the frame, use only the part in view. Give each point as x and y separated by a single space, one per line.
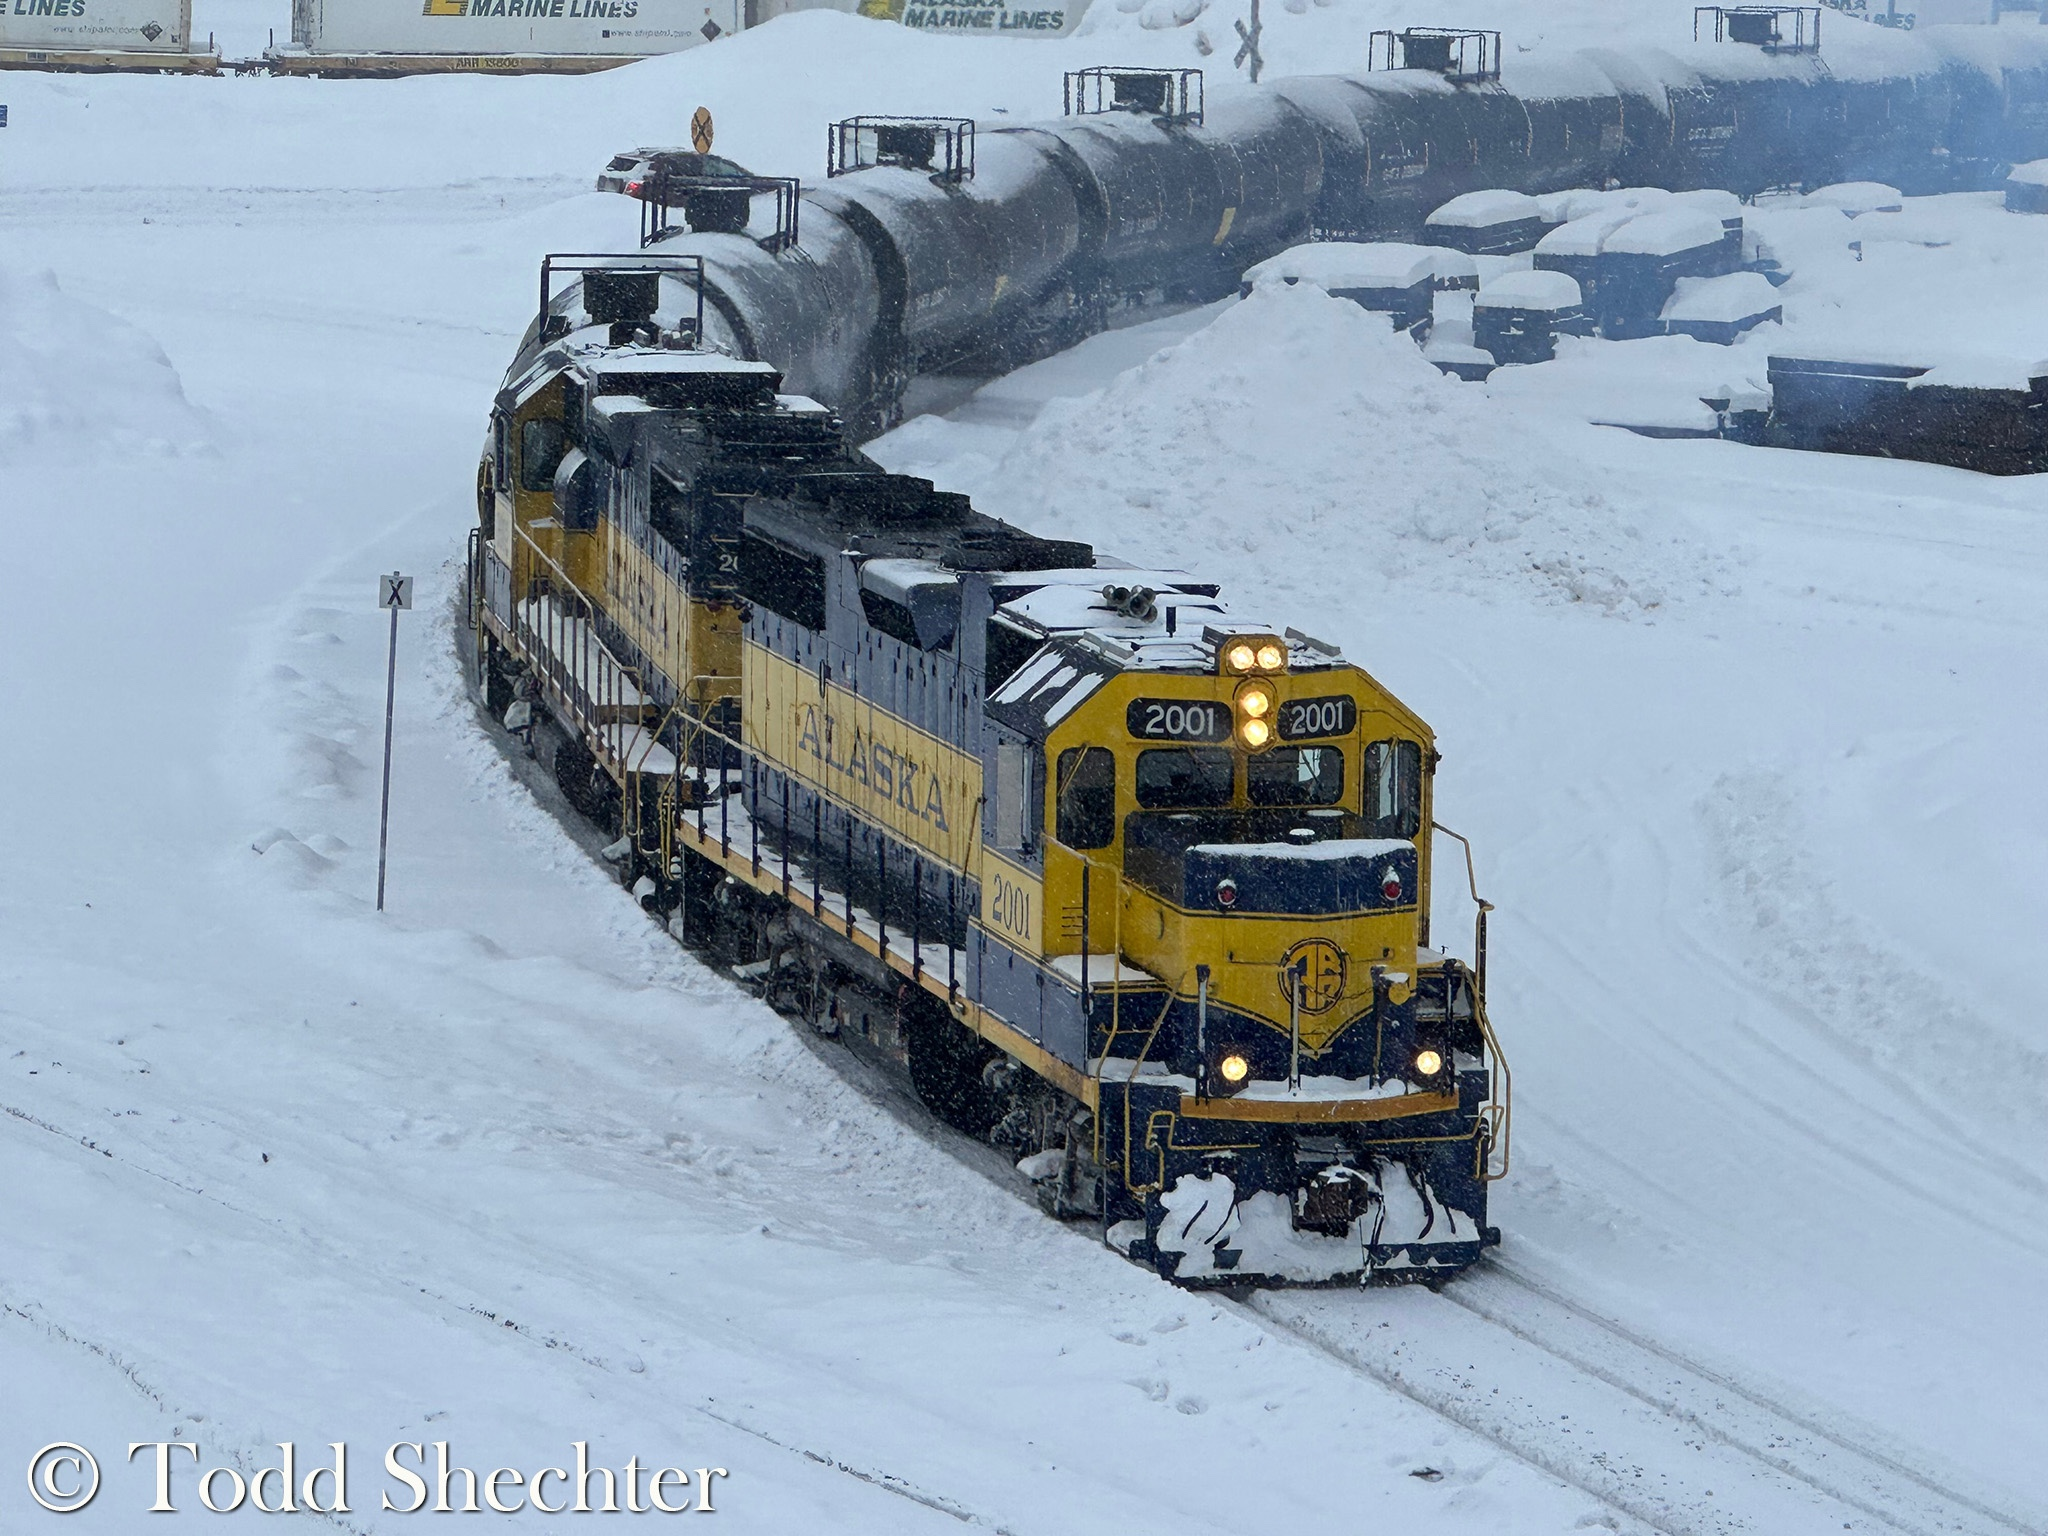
1079 605
591 347
1071 606
651 360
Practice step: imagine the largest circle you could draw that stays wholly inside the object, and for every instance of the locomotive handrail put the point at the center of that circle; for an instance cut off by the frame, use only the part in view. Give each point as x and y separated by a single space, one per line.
1484 906
1500 1106
572 677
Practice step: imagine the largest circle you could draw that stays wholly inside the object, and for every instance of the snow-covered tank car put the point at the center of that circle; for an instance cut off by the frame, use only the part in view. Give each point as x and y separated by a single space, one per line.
897 271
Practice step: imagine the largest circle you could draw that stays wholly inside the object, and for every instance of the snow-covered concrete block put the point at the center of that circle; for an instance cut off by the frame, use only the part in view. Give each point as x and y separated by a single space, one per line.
1719 309
2026 188
1385 275
1518 316
1494 222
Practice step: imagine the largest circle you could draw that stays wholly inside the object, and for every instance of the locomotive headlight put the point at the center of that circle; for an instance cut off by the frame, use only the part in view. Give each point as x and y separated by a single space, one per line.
1254 733
1255 703
1226 1071
1271 657
1428 1063
1241 656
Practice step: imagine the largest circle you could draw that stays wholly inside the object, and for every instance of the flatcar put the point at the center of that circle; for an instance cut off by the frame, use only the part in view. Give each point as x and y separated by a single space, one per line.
1130 885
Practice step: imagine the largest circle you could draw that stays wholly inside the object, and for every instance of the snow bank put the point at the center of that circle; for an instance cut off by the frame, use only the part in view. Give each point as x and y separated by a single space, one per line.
72 375
1295 421
1856 197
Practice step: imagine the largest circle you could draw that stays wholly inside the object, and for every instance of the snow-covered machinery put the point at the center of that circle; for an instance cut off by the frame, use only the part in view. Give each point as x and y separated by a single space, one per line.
1983 414
1518 316
1131 885
1391 277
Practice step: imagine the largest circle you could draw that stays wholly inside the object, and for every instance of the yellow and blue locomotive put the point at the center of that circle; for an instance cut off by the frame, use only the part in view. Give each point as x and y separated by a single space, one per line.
1131 886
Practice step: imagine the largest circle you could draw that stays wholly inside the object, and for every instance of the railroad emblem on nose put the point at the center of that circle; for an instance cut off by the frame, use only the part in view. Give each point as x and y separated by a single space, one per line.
1316 966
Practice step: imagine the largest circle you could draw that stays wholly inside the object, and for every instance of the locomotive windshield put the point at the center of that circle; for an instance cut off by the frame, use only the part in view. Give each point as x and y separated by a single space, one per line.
1296 776
1184 778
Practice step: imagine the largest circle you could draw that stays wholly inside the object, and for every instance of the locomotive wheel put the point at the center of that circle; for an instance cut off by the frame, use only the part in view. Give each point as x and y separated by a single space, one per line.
946 1063
586 786
497 681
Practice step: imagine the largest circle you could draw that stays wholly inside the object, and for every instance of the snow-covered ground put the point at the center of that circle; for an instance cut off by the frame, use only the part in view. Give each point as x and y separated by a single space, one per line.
1748 742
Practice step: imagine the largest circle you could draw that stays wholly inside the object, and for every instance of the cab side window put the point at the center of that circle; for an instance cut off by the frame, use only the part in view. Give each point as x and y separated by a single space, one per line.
501 452
541 446
1019 791
1086 791
1393 789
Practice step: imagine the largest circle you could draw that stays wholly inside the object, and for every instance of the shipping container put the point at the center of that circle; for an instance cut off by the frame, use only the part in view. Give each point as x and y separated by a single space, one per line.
100 34
964 18
498 36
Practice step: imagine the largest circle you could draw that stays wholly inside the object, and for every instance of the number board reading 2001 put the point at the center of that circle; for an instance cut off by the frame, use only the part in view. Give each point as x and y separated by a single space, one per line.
1178 720
1306 719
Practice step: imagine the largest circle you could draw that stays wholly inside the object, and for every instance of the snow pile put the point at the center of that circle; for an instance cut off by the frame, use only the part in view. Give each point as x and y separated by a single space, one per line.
1481 210
1298 421
1856 197
1336 264
1945 279
70 371
1721 300
1665 233
1529 290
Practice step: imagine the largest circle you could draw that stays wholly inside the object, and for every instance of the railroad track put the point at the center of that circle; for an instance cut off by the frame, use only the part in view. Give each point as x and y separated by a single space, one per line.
1681 1447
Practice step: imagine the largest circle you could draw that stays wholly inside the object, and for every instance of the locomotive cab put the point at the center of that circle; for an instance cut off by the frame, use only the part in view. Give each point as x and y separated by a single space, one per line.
1228 833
